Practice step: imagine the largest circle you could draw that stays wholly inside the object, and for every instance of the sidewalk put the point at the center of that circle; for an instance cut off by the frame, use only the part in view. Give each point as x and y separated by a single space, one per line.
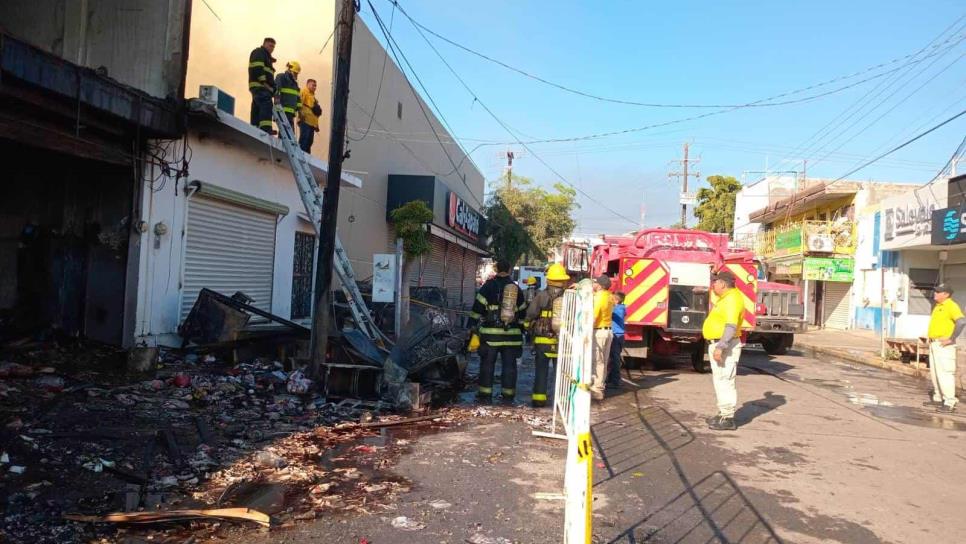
857 346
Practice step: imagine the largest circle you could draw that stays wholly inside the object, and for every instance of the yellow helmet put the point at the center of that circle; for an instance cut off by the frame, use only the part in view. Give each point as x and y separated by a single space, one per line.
557 272
294 66
532 280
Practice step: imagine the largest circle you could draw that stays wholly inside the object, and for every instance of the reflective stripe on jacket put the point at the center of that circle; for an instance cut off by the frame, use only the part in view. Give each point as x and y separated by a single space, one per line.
288 92
261 69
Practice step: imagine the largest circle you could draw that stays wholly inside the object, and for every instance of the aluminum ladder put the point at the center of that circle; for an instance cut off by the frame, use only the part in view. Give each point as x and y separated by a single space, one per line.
311 195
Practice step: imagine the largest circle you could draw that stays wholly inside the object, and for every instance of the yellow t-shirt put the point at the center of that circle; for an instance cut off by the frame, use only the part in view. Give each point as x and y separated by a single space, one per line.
308 102
943 319
603 308
729 310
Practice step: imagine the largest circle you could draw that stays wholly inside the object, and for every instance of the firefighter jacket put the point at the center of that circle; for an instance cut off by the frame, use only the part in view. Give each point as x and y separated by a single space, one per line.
311 110
261 69
540 316
288 92
486 312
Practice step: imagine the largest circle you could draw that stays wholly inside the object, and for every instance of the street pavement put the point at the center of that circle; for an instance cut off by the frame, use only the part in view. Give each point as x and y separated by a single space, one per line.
825 451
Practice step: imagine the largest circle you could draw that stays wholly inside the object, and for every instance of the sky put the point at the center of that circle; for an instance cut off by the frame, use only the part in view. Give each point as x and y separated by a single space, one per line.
691 53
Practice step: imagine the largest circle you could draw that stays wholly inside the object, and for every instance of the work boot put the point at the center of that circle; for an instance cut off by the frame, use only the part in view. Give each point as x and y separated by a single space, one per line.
538 403
723 424
596 396
713 420
946 409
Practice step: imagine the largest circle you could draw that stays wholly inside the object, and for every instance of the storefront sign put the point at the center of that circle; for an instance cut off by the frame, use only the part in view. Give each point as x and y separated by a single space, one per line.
828 269
907 218
948 226
461 217
789 240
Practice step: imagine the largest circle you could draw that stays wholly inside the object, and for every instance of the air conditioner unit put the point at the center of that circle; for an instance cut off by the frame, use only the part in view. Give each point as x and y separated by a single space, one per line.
821 243
217 97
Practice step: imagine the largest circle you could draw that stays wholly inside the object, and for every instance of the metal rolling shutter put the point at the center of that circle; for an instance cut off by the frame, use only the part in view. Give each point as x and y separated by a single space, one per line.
432 265
837 297
471 262
228 248
454 273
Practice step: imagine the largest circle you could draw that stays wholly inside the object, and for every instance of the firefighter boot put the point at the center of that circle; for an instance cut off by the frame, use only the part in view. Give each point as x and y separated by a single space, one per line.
542 364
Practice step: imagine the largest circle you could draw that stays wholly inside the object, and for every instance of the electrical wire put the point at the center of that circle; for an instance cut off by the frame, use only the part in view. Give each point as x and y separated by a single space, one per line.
898 147
501 123
393 48
375 105
768 102
327 40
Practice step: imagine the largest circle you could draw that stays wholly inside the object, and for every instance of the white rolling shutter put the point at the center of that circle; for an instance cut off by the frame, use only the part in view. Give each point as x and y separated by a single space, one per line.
228 248
432 270
837 305
471 262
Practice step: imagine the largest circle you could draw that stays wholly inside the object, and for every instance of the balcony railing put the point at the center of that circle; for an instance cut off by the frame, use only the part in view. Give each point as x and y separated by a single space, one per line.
808 238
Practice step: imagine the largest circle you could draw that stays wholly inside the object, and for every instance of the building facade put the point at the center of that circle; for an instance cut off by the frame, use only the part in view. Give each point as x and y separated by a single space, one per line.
85 86
810 238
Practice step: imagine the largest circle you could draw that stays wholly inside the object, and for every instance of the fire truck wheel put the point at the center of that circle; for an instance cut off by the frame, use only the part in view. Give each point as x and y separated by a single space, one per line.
774 345
697 359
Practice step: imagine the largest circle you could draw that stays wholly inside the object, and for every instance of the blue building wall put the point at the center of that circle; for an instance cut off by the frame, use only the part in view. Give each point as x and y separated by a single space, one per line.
868 318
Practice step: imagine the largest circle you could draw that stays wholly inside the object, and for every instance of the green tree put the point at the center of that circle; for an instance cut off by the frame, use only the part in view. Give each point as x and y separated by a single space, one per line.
716 205
545 217
409 222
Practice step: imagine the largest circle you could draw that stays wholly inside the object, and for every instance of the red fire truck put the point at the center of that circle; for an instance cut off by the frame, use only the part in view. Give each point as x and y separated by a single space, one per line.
666 277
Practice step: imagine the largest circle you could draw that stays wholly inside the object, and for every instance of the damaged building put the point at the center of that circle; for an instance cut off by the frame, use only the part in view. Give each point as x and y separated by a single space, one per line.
84 86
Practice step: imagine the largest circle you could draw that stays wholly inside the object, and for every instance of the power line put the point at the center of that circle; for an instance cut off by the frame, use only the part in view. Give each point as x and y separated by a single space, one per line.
898 147
393 47
501 123
321 49
758 103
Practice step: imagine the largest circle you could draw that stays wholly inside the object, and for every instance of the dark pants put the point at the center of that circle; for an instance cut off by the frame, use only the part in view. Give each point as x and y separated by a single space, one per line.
541 379
262 109
306 137
508 374
614 363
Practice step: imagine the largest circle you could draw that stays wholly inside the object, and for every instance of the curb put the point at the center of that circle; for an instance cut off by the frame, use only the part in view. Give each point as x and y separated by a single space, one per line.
868 360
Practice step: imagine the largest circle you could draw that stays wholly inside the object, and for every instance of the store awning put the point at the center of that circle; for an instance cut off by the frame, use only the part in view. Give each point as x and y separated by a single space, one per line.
804 200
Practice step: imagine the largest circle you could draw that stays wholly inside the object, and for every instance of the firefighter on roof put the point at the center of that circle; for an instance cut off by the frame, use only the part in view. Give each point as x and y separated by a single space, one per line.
498 310
261 83
543 317
287 86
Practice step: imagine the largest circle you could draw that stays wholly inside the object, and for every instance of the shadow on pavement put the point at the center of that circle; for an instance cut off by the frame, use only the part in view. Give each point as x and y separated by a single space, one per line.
711 509
624 443
755 408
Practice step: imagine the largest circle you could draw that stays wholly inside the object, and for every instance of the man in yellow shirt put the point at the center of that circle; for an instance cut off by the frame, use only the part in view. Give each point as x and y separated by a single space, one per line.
308 116
721 329
603 310
945 324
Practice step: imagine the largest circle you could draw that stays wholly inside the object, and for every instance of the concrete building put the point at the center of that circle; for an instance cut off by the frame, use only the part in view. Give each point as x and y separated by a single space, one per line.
84 86
234 220
809 238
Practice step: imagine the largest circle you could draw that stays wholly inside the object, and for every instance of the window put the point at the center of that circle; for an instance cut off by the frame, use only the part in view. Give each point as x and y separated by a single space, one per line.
302 275
921 283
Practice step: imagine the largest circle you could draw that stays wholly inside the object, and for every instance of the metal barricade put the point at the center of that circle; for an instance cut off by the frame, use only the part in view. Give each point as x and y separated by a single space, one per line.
571 406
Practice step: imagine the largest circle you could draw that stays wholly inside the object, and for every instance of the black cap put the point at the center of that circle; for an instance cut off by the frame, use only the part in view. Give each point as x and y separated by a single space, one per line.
726 277
943 288
603 281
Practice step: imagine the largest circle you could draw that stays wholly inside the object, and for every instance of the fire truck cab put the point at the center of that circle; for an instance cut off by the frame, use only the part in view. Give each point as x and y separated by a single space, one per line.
665 275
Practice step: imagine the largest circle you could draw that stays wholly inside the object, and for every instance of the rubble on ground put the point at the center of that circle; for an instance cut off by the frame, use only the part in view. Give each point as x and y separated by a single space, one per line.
199 434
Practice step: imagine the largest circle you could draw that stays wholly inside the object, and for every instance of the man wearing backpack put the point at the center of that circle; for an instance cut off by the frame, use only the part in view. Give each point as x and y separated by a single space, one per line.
544 328
498 310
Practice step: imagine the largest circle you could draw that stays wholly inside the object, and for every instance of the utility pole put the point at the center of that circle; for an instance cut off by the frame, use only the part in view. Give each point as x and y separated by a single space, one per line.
684 174
322 317
509 155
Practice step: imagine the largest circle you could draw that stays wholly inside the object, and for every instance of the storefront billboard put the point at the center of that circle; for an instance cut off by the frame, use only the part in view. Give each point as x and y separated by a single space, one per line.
828 269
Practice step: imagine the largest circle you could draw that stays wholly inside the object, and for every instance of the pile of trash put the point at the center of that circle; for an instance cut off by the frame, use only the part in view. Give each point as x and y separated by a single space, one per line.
201 438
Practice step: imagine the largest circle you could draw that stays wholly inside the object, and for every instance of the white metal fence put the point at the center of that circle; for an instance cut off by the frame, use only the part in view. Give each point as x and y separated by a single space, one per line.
572 406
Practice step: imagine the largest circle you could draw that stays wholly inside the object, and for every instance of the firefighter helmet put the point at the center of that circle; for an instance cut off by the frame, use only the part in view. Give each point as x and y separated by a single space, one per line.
557 272
294 66
532 280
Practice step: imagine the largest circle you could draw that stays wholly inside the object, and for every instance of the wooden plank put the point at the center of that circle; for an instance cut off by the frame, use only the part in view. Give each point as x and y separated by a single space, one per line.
142 518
